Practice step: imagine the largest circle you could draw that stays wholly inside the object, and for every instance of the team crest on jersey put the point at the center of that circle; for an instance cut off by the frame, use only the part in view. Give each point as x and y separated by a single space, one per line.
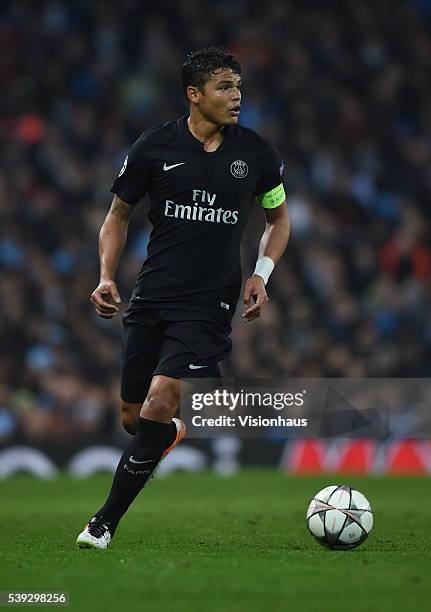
239 169
124 167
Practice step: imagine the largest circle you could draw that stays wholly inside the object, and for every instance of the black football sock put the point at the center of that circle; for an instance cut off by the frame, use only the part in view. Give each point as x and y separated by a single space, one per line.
172 434
136 465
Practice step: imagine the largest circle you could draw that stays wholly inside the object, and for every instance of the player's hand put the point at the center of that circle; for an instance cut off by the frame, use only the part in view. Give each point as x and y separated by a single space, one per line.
102 298
254 292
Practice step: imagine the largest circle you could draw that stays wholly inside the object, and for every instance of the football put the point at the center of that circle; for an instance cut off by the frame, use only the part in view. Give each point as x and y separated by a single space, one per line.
340 517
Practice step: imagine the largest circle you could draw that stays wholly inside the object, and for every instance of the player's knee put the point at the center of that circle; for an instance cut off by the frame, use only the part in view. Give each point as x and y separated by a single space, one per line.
160 404
130 417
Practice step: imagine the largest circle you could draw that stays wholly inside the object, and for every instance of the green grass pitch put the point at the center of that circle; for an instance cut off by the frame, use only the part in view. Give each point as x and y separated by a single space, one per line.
204 543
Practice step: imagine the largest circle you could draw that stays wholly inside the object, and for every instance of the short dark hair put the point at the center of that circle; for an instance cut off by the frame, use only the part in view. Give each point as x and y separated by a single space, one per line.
201 64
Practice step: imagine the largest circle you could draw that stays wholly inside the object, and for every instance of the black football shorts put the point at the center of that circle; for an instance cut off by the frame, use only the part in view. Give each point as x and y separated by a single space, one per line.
160 342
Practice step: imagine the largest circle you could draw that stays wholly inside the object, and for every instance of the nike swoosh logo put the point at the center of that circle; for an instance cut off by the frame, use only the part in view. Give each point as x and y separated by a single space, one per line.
134 460
193 367
165 167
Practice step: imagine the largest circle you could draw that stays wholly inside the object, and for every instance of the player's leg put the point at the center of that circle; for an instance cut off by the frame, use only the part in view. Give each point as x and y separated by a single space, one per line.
156 434
142 342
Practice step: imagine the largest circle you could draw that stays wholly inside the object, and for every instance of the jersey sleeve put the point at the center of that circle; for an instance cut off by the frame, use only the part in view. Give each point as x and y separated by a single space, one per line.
132 183
270 189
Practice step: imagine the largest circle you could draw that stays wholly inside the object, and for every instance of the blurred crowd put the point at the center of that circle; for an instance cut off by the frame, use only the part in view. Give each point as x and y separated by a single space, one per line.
340 88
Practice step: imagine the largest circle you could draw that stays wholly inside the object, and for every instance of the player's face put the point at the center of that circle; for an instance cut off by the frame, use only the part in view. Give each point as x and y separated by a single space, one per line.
220 100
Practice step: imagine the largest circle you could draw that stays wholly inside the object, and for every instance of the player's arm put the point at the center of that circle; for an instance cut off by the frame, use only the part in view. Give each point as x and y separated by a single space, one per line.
276 235
112 239
129 188
272 246
271 196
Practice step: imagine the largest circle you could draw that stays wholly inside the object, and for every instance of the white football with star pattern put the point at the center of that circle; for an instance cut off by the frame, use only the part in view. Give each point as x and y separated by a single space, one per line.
340 517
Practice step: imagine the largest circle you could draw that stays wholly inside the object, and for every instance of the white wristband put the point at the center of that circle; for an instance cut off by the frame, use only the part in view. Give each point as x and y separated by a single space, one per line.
264 267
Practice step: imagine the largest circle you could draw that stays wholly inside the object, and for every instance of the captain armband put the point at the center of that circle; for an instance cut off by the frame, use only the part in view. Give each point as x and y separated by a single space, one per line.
273 198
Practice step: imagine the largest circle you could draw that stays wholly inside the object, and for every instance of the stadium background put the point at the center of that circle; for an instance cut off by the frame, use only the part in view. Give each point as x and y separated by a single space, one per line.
341 88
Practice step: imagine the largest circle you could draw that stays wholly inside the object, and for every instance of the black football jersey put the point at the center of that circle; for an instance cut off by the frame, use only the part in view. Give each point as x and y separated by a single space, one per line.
199 204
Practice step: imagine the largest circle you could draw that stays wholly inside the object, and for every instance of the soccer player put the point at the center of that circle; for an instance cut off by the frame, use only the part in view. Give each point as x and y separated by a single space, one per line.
202 174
